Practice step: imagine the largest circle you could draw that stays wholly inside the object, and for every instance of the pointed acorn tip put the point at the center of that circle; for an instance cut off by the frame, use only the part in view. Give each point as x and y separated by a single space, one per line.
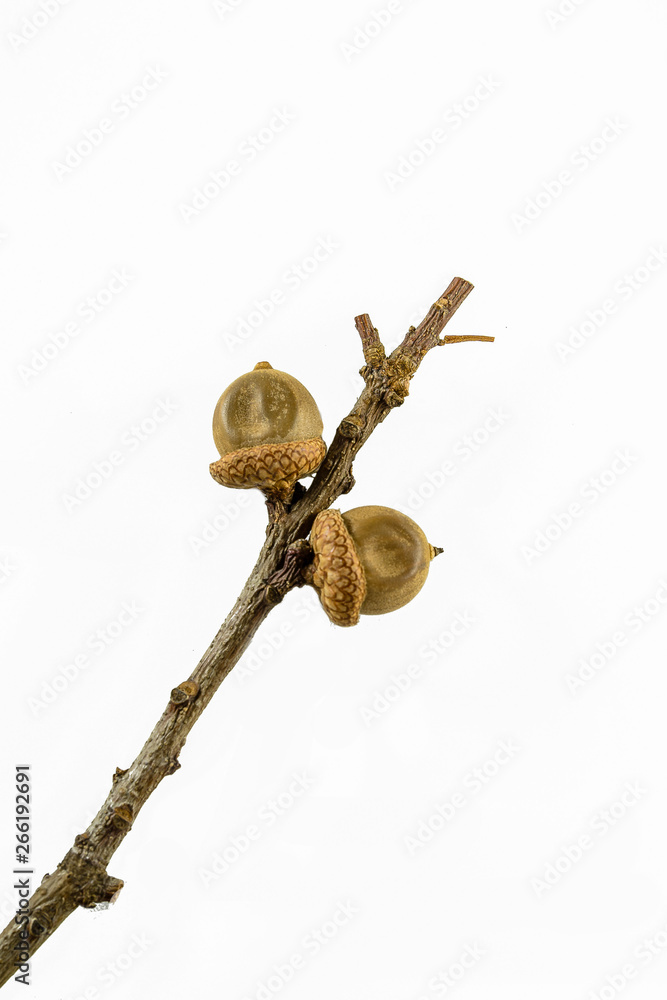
435 551
262 364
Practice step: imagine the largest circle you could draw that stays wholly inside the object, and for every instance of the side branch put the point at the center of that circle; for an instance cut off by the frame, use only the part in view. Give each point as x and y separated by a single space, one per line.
371 344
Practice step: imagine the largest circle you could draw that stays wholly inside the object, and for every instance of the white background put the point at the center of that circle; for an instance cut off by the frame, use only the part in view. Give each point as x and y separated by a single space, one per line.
570 279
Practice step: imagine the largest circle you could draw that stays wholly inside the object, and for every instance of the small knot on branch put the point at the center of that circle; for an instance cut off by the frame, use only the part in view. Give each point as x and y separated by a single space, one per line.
101 892
122 816
394 398
38 924
185 693
88 883
351 427
272 595
290 574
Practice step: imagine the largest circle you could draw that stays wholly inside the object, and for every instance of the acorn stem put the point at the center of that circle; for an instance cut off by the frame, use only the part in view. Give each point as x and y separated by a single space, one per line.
291 574
456 339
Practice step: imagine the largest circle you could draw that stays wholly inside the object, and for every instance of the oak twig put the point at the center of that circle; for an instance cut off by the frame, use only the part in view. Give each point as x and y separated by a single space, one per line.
81 878
370 341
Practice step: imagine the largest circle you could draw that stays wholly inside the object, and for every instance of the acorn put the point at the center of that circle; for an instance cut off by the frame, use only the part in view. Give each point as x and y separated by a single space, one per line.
368 561
268 430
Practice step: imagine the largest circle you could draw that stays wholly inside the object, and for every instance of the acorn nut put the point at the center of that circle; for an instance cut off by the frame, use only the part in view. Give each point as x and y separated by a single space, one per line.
368 561
268 430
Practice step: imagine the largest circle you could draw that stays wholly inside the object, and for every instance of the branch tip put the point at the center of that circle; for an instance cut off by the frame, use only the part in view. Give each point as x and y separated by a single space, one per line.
418 341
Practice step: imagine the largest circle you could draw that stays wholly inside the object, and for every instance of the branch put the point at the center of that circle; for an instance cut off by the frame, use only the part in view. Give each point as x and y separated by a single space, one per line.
370 341
81 878
419 341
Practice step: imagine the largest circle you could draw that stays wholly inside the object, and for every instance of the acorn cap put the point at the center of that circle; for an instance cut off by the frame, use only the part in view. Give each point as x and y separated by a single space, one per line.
274 467
337 571
264 406
395 555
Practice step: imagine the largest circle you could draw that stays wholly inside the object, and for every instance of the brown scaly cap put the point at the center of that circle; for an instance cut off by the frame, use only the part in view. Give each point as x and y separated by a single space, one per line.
338 574
274 467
